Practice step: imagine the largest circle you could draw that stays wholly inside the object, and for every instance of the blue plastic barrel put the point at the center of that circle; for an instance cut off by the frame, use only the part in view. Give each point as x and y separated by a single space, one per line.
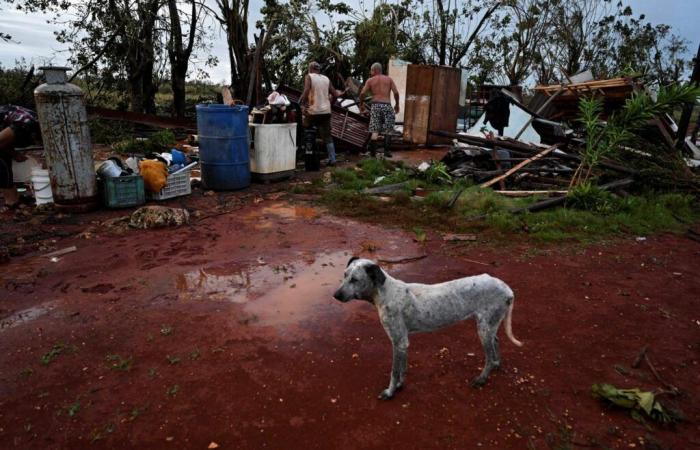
223 146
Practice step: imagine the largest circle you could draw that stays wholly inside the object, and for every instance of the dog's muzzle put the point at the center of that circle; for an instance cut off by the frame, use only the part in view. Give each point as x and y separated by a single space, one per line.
338 295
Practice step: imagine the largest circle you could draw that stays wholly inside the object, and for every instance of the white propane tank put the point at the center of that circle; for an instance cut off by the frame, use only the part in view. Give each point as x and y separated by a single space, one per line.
67 146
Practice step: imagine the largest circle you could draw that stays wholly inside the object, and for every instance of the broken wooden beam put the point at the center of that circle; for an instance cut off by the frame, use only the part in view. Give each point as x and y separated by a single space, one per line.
520 166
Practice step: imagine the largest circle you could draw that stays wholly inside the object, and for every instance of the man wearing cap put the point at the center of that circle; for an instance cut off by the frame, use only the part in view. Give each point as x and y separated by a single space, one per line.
317 96
382 115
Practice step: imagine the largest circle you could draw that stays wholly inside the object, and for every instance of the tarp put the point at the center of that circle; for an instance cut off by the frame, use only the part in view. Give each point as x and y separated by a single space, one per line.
518 118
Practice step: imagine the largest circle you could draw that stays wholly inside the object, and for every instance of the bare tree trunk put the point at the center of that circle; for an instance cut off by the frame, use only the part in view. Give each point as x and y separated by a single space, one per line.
442 48
234 19
141 58
179 54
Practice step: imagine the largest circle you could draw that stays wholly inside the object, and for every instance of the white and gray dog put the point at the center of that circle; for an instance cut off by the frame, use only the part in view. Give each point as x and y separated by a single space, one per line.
411 307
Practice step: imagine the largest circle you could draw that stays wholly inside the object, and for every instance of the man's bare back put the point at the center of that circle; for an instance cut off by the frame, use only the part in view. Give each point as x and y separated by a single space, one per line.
381 87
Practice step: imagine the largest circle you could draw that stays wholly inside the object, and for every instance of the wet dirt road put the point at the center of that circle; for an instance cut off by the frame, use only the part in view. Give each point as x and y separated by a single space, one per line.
225 331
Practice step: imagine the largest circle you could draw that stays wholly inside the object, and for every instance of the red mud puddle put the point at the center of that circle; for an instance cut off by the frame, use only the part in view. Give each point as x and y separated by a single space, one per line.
269 294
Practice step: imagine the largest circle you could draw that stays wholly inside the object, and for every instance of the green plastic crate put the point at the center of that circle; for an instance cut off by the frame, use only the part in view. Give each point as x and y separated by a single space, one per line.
122 192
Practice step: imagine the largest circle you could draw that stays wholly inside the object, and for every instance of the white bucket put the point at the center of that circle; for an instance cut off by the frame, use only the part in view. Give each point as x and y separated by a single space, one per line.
41 185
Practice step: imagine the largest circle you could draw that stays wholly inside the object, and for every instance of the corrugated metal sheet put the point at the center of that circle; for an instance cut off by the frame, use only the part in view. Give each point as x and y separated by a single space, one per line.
349 130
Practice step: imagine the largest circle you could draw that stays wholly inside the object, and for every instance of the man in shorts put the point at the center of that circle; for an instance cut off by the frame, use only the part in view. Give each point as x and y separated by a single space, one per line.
382 115
19 127
317 97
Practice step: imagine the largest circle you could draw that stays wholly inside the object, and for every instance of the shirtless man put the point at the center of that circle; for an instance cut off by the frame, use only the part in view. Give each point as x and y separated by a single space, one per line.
382 116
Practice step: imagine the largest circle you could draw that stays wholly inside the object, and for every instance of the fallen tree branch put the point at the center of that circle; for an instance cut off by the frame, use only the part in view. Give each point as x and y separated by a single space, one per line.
401 260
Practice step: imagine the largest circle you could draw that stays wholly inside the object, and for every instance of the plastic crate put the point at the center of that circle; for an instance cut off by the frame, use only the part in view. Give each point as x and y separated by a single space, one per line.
122 192
178 184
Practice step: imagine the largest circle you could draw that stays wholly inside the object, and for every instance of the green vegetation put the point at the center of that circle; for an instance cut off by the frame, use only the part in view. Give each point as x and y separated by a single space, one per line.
116 362
606 139
166 330
155 143
52 354
172 390
590 214
73 409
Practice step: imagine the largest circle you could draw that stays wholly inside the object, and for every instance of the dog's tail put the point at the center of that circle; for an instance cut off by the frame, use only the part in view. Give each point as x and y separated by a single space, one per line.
509 325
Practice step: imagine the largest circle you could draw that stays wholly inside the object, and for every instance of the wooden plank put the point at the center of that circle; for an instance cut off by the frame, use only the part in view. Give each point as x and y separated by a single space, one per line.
520 166
444 102
419 83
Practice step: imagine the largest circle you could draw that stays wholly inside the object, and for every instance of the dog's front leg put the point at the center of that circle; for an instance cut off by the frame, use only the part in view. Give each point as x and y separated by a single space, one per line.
396 329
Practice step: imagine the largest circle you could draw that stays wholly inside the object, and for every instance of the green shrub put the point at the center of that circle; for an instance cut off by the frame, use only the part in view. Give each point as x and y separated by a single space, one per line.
157 142
589 197
437 174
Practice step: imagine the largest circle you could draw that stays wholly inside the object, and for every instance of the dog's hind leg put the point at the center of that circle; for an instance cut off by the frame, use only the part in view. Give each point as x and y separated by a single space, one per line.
487 329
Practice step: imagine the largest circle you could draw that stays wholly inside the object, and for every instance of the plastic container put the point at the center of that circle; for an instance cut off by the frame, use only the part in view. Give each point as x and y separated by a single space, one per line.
223 146
122 192
178 185
41 185
273 152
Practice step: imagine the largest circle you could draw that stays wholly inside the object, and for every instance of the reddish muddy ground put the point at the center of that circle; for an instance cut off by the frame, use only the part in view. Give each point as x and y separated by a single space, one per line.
225 331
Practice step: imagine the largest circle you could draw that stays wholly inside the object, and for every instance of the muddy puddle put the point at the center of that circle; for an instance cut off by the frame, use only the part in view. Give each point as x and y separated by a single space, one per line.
269 293
25 316
280 212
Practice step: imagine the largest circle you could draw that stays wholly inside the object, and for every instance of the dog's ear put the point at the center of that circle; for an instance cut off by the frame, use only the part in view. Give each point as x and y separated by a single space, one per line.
375 274
354 258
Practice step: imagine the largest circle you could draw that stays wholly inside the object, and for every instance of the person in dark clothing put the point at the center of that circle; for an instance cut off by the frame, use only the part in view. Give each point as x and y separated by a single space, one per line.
497 111
19 127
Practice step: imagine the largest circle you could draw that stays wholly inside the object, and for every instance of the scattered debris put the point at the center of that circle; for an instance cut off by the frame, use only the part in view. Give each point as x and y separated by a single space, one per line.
458 237
61 252
644 356
406 259
158 216
386 189
637 401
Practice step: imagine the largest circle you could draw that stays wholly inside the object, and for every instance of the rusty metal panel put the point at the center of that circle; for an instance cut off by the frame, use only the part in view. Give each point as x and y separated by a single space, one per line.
348 129
444 105
419 86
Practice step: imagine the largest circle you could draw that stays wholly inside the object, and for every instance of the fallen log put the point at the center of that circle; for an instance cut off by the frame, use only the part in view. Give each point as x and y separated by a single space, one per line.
528 193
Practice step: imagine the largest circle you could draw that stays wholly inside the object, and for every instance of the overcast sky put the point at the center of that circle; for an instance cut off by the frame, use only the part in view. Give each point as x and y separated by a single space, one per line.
36 43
